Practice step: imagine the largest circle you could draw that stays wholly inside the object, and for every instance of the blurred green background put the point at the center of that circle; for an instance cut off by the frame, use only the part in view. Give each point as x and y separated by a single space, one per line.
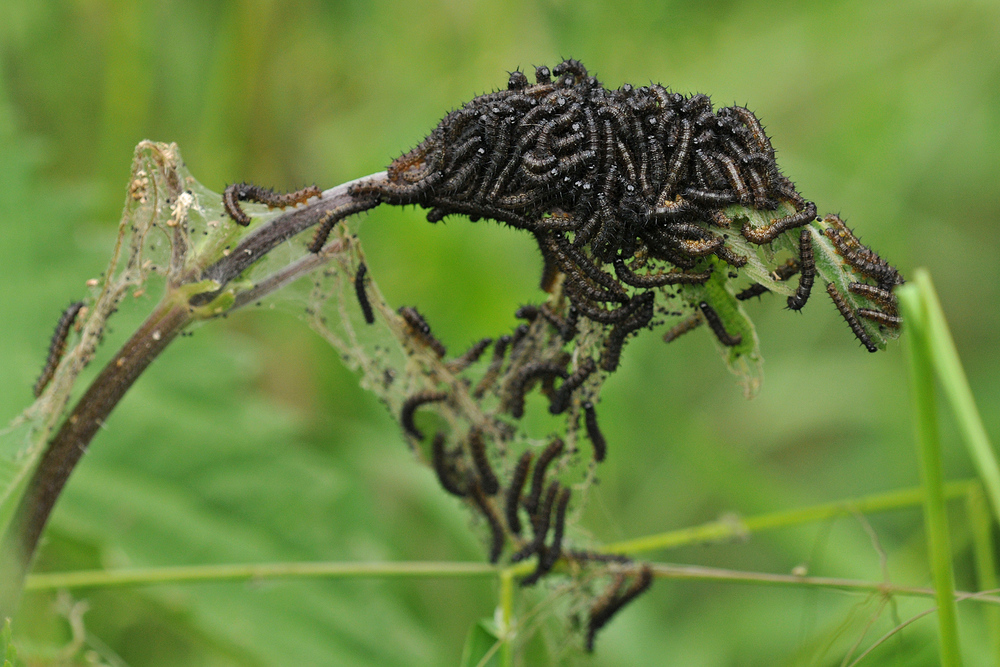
249 441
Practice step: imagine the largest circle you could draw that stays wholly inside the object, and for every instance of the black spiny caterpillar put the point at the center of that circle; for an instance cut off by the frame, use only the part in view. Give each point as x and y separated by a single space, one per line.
58 346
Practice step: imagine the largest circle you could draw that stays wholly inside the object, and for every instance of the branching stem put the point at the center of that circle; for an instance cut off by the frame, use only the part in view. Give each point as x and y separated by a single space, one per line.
171 316
420 569
268 236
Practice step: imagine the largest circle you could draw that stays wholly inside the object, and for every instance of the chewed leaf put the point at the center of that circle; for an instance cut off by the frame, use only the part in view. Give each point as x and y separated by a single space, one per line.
833 269
742 359
760 259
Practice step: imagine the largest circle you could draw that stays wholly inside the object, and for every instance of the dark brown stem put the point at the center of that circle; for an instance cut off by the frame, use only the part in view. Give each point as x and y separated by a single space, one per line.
19 542
17 547
264 239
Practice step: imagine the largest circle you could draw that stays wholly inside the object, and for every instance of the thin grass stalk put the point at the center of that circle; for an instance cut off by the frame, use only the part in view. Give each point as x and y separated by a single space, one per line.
711 531
957 392
981 526
506 617
715 531
914 309
420 569
251 572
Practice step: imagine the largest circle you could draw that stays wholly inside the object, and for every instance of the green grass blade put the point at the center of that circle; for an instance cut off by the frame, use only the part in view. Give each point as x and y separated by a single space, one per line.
957 391
915 313
981 527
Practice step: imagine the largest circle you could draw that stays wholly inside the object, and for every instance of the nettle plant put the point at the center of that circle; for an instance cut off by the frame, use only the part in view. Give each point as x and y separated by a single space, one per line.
651 210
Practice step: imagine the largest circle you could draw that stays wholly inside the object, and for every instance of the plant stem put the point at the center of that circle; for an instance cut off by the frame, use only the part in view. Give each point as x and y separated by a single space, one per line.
913 302
175 312
248 572
697 572
715 531
63 452
336 201
414 569
506 616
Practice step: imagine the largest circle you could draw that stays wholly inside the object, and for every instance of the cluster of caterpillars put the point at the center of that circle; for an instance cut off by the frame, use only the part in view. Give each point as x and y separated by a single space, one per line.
863 261
511 374
531 494
466 471
612 183
526 505
600 177
628 193
869 265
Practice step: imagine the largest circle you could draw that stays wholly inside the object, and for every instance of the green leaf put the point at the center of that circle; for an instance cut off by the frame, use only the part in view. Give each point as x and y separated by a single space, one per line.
7 644
481 645
743 360
832 268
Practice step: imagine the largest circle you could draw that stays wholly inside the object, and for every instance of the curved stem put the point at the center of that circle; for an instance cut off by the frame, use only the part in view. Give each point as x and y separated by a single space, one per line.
17 547
63 452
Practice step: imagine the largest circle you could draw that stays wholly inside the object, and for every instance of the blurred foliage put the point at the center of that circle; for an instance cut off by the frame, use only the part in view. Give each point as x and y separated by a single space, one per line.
250 442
